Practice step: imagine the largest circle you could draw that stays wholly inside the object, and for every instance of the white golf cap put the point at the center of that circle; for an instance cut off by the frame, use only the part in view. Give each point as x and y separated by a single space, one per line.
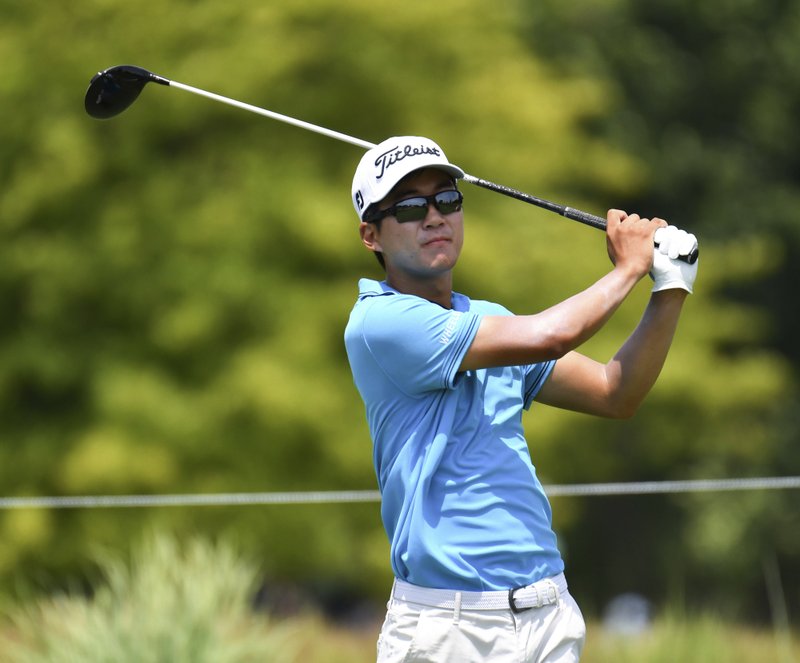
387 163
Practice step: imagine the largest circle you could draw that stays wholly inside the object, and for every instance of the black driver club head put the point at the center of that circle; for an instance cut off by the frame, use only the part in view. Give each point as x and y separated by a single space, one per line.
111 91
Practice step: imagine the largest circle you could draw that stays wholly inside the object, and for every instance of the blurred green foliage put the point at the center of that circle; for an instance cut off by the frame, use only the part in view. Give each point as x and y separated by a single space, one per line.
171 601
175 282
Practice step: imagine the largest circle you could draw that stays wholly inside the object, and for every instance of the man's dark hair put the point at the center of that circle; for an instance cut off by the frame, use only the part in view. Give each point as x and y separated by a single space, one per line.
372 208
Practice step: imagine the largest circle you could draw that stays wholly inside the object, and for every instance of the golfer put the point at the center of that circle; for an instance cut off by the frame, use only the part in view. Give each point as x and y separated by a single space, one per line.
445 379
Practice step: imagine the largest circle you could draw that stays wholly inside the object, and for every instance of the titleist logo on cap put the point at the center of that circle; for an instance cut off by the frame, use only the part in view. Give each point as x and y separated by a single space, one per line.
394 155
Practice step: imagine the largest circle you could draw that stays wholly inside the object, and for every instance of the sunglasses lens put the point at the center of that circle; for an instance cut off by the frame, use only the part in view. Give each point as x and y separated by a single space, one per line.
416 209
413 209
448 202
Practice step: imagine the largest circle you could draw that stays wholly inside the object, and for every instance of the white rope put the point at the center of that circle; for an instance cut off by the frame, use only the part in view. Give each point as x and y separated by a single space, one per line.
654 487
211 499
349 496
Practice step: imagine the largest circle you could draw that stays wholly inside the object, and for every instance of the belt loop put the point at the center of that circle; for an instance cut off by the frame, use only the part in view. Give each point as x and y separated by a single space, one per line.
457 608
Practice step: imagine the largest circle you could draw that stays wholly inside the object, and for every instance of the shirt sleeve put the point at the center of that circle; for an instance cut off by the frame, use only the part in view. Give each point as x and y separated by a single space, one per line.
535 377
417 344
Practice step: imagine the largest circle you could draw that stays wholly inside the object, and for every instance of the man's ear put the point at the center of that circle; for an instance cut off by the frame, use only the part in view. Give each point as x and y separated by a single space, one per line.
369 236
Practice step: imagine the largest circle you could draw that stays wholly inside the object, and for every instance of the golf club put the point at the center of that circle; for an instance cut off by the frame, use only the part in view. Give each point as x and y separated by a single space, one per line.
112 90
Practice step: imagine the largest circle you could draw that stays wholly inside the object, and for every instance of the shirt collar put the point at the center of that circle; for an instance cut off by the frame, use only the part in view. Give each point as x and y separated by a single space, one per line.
372 288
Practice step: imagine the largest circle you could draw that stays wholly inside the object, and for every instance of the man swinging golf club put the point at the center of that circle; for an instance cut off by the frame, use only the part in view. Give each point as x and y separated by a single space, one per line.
445 379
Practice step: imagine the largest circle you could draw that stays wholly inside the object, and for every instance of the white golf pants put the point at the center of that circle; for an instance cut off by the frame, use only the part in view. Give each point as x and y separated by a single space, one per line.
440 626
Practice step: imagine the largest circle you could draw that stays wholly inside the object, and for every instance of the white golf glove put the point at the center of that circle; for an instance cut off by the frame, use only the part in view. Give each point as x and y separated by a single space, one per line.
668 272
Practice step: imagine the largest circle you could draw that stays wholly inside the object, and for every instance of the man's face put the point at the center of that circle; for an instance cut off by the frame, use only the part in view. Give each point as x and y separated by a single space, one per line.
418 249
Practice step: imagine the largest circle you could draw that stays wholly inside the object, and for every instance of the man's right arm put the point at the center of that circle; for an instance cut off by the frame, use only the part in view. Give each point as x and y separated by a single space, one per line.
551 334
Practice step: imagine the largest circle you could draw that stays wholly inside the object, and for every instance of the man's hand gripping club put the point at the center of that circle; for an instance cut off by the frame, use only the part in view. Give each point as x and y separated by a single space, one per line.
667 272
625 237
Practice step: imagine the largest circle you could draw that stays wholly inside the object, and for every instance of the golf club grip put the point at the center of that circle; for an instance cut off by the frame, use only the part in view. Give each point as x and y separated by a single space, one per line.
514 193
567 212
584 217
598 222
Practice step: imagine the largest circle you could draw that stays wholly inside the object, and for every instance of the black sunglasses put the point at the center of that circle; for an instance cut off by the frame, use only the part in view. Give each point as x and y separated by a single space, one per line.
416 209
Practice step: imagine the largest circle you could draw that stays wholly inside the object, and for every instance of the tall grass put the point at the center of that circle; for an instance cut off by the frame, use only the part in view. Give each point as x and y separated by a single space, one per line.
167 604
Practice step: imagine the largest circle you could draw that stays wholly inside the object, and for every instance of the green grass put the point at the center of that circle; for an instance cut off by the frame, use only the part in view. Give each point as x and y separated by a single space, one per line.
686 639
192 604
703 639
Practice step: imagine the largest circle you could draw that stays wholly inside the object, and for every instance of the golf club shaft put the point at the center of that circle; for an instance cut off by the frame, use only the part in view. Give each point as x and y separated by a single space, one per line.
568 212
111 91
275 116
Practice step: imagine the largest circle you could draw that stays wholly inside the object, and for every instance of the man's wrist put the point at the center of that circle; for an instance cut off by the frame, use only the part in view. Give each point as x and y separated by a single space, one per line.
628 273
677 295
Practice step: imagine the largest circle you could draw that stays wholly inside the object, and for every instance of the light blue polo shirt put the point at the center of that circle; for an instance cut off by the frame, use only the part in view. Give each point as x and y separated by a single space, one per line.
461 502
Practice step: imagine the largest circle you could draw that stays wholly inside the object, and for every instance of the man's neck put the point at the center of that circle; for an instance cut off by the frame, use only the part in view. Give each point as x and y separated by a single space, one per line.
439 290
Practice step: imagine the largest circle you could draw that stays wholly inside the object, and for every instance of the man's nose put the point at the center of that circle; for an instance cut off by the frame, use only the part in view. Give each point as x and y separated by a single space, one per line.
434 217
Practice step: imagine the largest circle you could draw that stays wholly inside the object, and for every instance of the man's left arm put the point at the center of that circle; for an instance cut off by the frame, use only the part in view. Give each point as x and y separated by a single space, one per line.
617 388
